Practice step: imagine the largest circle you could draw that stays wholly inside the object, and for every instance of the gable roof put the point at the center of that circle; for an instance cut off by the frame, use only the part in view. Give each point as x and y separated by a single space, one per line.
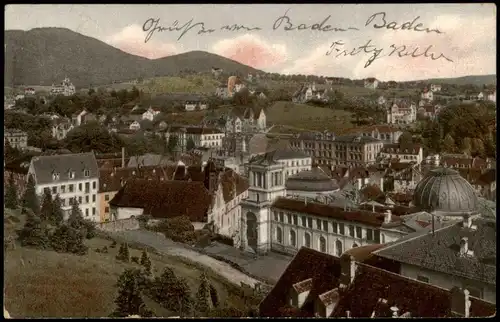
325 276
441 251
62 164
375 291
165 199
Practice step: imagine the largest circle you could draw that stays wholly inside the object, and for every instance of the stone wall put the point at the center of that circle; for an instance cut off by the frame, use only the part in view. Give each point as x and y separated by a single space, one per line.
119 225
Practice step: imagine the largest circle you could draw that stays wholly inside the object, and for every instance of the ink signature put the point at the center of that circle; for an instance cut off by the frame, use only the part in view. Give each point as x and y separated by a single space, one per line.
337 49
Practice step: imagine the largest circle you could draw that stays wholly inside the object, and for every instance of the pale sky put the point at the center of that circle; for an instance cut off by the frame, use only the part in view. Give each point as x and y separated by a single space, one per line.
467 38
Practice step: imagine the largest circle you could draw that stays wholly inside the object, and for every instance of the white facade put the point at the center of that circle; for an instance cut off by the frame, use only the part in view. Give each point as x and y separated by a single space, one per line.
234 125
293 166
482 290
403 155
435 88
66 88
492 96
85 191
135 126
125 213
399 115
371 83
427 95
150 114
61 130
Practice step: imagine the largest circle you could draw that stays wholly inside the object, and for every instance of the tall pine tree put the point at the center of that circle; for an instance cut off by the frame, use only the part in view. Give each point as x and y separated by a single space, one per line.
66 239
34 234
47 207
11 198
30 199
129 300
146 263
172 292
203 300
57 216
76 221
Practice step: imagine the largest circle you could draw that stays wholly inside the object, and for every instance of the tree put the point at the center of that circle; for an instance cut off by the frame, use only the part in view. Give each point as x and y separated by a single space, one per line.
203 301
478 147
92 137
11 153
172 292
57 215
466 146
76 221
190 144
123 253
11 193
406 138
173 140
146 263
33 234
47 205
129 300
66 239
448 143
30 199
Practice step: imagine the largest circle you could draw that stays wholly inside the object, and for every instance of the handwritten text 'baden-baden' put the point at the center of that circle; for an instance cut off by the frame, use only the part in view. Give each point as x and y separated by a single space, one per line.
286 23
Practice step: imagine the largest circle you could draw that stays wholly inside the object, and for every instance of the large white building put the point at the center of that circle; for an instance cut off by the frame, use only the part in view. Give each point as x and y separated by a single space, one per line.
69 176
201 136
402 112
66 88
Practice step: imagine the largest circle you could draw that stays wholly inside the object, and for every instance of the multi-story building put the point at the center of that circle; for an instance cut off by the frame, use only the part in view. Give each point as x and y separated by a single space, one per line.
402 112
16 138
61 128
69 176
403 152
201 136
328 149
245 120
427 95
386 133
371 83
66 88
150 114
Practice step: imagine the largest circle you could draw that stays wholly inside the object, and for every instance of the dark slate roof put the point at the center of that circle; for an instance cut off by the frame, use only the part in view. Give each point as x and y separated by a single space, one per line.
441 251
325 276
375 291
356 139
45 166
312 180
288 153
444 190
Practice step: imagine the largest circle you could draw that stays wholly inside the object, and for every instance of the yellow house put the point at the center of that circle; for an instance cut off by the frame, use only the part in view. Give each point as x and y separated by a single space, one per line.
111 180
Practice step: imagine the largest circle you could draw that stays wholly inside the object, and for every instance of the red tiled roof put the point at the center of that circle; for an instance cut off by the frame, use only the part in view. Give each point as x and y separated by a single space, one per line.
112 179
327 211
165 199
370 284
372 192
325 276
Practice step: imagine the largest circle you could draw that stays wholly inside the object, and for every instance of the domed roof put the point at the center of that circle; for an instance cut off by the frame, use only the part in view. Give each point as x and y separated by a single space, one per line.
311 180
444 190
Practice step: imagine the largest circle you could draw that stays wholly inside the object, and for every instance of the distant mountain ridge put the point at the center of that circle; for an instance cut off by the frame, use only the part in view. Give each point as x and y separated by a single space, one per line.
477 80
45 56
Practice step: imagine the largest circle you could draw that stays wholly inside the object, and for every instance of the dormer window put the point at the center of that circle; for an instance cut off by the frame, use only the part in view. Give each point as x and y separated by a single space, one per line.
55 176
86 173
71 174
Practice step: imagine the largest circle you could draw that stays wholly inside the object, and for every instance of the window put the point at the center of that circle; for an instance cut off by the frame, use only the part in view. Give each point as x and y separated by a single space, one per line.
80 187
293 238
335 227
93 198
309 223
318 224
279 235
422 279
358 232
87 199
282 217
93 211
351 230
295 221
63 189
322 244
71 188
325 225
303 219
86 173
307 240
338 246
369 234
94 185
87 212
289 218
377 236
80 200
54 189
341 229
71 174
106 210
87 186
106 197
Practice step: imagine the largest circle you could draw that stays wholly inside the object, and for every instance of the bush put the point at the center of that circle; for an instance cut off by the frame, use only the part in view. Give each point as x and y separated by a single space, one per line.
123 253
113 244
66 239
34 233
134 259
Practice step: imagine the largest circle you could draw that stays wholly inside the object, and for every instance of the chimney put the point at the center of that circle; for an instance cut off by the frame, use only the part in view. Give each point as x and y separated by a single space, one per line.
305 201
123 157
387 216
460 302
464 247
347 269
394 310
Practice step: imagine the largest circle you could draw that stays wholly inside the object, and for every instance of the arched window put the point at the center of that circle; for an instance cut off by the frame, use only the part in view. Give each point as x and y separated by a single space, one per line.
322 244
354 245
338 246
293 238
279 235
307 240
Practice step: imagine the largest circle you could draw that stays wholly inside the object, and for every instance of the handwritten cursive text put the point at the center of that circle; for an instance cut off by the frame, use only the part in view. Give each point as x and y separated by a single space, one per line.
322 26
378 20
337 49
236 27
152 25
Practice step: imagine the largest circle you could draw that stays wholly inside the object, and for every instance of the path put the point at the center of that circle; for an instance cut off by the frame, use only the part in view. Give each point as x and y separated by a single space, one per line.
169 247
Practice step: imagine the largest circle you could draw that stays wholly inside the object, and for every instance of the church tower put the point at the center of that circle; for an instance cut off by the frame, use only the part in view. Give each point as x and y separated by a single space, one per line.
267 182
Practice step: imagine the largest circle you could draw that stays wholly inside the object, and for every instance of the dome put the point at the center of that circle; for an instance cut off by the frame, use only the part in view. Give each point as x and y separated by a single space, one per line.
444 190
314 180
